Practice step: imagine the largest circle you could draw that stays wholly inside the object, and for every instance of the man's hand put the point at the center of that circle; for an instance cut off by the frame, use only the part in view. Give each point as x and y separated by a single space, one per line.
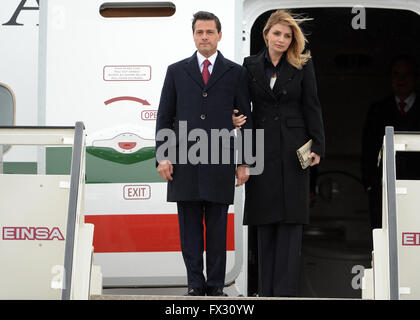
242 174
315 159
238 121
165 169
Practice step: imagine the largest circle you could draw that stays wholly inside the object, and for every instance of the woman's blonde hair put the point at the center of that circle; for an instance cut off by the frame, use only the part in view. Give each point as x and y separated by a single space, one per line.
295 55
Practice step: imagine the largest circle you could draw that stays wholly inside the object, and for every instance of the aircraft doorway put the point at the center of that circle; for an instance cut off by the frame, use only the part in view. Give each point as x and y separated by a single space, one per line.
352 69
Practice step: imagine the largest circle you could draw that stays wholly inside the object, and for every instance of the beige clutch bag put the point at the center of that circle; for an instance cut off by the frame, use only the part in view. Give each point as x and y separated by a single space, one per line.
303 153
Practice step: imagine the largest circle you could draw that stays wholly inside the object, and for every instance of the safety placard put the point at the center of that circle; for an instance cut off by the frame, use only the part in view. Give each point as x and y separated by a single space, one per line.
127 73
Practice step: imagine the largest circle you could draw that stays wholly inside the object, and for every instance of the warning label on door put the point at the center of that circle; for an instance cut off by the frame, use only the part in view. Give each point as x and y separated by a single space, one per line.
127 73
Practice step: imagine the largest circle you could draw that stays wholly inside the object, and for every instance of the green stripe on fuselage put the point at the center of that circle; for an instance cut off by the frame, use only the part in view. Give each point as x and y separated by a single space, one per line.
19 168
105 165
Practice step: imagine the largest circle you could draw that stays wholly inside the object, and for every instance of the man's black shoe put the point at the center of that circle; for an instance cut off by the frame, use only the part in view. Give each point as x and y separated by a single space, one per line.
216 291
195 292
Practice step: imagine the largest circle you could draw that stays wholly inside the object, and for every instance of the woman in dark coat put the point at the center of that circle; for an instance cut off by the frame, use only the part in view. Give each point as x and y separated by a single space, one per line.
285 103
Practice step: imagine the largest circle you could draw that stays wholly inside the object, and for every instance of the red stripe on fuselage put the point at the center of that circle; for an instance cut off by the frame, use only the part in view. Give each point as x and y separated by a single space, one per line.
142 233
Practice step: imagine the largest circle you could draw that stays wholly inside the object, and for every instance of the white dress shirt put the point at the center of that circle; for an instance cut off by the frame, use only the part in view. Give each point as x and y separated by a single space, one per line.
409 101
201 59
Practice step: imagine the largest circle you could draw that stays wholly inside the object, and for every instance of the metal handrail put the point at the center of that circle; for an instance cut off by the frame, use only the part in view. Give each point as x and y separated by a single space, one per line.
72 209
392 214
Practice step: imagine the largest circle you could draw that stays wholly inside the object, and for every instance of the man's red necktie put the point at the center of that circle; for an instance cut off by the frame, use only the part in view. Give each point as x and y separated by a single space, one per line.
206 73
402 105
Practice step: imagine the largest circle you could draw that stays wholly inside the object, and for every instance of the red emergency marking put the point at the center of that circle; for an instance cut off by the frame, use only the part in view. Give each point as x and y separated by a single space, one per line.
137 192
149 115
411 239
31 233
143 233
127 145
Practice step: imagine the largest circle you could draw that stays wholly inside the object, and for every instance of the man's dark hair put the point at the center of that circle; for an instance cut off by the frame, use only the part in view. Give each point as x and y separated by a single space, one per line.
204 15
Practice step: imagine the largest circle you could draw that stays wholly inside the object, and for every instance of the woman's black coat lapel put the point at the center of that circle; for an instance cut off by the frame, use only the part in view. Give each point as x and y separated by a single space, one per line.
286 74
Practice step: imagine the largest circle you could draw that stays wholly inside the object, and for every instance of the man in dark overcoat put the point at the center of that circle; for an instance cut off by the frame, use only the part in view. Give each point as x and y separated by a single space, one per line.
199 95
400 110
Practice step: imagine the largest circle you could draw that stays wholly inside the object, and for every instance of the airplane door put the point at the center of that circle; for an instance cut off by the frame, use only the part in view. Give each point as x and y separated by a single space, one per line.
104 65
